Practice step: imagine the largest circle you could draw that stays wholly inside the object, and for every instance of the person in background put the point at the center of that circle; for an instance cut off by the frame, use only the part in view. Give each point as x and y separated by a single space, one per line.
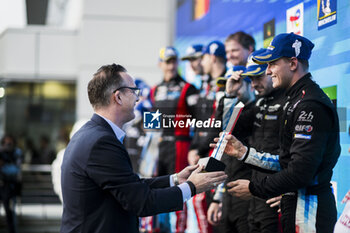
134 130
207 90
175 99
226 209
10 178
46 154
194 70
214 66
57 163
239 46
30 152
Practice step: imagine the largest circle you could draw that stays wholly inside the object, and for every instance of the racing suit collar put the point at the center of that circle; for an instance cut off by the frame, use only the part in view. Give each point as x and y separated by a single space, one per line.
298 85
275 93
176 79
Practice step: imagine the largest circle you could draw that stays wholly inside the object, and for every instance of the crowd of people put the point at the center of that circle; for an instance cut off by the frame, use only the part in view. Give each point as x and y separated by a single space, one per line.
279 158
278 126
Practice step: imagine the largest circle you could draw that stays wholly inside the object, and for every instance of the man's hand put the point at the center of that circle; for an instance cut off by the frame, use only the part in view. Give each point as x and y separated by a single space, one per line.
206 180
193 157
233 147
234 83
214 213
185 173
239 188
275 201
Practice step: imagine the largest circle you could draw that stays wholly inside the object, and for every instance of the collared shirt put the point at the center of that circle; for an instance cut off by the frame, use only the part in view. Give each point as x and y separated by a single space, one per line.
185 189
120 134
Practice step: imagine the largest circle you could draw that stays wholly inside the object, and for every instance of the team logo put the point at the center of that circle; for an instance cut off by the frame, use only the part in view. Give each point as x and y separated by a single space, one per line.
190 50
302 136
306 128
304 116
270 117
213 48
326 13
295 19
297 45
151 120
274 108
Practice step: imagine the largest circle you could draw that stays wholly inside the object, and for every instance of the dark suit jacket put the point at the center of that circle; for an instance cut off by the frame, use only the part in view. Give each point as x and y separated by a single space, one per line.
101 193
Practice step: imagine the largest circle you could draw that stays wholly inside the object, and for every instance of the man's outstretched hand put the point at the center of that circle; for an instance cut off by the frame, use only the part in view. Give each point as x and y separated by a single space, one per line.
186 172
206 180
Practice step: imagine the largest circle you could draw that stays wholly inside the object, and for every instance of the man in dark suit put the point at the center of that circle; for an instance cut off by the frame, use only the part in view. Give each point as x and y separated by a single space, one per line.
101 193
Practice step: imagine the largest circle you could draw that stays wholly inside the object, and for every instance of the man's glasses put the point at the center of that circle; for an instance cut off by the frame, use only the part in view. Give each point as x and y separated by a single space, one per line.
136 90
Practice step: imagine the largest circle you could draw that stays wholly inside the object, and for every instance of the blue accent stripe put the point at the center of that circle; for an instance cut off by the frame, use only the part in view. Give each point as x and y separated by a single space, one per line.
306 207
228 116
271 162
217 150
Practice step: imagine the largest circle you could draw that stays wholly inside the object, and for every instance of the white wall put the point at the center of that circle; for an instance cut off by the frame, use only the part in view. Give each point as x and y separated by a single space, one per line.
38 53
128 32
12 14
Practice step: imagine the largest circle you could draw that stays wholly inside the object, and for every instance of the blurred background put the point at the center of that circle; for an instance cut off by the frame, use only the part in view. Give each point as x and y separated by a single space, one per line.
49 50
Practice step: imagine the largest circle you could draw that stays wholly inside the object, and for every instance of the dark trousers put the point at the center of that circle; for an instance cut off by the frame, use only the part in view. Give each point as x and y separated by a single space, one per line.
235 214
262 218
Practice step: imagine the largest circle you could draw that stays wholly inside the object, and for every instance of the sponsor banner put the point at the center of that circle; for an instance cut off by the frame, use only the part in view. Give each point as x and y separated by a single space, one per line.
200 8
306 128
302 136
326 13
295 19
271 117
269 32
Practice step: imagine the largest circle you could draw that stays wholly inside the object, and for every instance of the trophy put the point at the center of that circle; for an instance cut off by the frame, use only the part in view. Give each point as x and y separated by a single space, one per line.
231 115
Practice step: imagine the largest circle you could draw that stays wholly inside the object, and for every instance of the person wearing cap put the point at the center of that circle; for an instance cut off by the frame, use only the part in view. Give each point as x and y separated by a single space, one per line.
309 143
214 66
135 133
234 211
262 123
173 97
194 55
239 46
